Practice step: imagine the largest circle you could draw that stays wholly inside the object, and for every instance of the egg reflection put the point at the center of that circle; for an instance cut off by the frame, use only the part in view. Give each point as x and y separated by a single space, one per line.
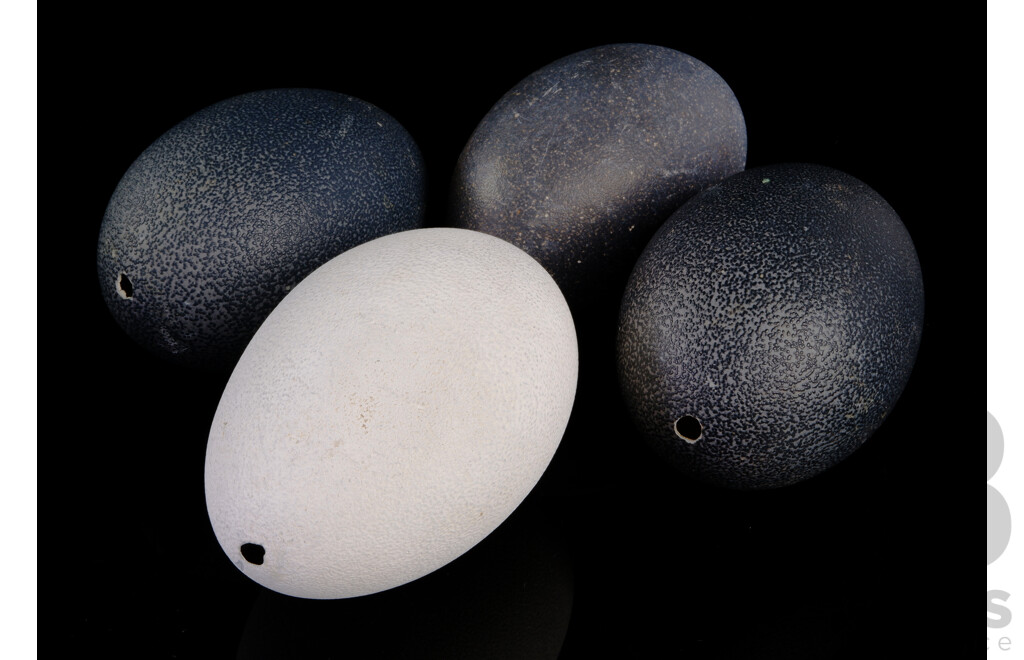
509 597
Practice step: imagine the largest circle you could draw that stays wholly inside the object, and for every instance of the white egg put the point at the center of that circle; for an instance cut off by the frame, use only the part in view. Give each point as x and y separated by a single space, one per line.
391 412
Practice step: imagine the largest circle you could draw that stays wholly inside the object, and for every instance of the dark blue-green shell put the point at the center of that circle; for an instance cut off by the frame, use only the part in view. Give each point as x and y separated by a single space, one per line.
778 315
581 161
215 222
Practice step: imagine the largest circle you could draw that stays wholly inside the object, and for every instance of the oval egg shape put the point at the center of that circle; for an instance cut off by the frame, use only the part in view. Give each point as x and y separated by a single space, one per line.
390 413
216 220
581 161
770 326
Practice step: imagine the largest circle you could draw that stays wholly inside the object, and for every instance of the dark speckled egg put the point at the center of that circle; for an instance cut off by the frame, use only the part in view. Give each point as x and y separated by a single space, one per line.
581 161
770 326
220 217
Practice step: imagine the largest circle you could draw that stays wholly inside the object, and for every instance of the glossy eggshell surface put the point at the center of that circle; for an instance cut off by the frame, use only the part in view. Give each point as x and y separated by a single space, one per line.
213 223
779 314
581 161
391 412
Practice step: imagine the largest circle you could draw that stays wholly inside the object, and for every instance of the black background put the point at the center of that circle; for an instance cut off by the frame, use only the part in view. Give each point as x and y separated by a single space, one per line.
613 552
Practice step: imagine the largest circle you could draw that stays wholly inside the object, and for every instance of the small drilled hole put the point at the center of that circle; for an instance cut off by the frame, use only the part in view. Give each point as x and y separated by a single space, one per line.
689 428
124 286
253 553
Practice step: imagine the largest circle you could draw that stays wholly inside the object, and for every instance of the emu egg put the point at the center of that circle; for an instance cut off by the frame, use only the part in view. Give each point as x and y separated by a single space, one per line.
581 161
215 221
770 326
391 412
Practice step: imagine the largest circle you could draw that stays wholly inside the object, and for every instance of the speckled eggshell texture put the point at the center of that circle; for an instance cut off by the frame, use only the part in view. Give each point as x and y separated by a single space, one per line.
390 413
770 326
581 161
213 223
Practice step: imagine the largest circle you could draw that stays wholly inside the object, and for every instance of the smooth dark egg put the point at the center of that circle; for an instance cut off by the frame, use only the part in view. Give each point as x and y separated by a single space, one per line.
580 162
770 326
219 218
